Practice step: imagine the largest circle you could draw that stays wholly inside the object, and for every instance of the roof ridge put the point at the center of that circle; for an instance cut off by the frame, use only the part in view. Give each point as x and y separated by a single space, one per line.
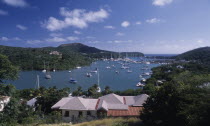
79 98
117 96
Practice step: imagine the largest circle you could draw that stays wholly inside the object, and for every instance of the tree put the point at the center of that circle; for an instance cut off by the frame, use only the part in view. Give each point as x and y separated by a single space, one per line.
177 104
7 70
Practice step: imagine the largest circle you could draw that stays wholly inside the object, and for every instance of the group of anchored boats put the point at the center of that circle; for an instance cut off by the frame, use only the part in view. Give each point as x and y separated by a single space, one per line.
124 65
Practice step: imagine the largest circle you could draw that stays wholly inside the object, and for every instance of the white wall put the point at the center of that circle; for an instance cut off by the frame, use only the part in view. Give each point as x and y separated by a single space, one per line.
75 113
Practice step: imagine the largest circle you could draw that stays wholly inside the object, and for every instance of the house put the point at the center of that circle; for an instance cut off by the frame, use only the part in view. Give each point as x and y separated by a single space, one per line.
109 105
4 100
56 53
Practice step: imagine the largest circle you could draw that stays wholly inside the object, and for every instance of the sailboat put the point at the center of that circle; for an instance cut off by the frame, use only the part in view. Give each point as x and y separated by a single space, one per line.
73 81
37 81
139 84
94 71
47 75
54 68
44 71
88 74
129 71
98 89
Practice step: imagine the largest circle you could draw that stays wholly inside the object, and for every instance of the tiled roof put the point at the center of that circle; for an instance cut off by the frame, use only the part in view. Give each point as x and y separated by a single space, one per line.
112 99
140 99
136 100
107 102
61 102
132 111
76 103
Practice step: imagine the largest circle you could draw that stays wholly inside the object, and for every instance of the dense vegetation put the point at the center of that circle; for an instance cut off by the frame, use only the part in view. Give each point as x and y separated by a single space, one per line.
72 55
200 54
183 99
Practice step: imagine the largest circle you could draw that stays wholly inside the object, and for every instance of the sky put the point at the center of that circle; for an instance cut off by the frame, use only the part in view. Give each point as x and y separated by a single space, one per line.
148 26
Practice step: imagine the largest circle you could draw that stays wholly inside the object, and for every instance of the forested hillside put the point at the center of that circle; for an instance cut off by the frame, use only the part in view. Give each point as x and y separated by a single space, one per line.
199 54
63 57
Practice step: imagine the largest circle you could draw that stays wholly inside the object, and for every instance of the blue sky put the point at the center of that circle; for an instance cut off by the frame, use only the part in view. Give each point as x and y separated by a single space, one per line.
148 26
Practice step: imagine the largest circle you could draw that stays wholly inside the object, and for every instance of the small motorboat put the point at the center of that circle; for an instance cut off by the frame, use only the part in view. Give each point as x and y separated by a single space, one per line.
108 67
117 72
143 80
48 76
140 84
94 71
129 71
145 74
89 75
78 67
73 81
44 71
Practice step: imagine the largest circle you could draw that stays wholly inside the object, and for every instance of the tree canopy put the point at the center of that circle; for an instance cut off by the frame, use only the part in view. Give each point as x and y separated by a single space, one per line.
7 70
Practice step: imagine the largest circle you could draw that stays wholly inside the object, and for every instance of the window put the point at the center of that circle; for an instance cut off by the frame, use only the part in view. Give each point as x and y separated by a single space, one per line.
88 113
66 114
80 114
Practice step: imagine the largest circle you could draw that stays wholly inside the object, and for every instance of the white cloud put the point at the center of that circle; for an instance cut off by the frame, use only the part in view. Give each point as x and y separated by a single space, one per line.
4 38
33 41
9 39
56 39
77 32
21 27
78 18
55 34
16 3
17 39
109 27
120 34
153 20
2 12
120 41
200 41
72 38
138 23
161 2
125 24
90 37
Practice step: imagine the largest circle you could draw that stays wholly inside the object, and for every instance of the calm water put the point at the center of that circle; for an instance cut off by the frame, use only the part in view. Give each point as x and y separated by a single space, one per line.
108 77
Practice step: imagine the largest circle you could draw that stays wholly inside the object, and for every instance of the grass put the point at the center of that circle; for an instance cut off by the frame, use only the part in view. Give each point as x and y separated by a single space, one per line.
104 122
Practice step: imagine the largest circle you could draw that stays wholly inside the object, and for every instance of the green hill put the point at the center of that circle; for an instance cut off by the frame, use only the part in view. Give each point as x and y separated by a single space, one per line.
65 56
199 54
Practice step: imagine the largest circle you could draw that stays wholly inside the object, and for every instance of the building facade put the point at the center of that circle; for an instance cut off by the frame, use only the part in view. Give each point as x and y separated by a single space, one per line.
113 105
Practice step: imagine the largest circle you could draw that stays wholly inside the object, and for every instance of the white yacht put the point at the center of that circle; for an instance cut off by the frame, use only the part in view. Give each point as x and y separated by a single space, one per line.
44 70
88 74
140 84
129 71
78 67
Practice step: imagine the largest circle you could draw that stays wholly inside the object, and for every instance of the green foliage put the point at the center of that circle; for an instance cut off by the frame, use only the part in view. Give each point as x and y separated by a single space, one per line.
49 97
7 70
92 91
183 99
199 54
75 54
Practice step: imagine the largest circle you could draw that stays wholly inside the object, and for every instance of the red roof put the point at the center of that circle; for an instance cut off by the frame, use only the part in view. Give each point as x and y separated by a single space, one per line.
132 111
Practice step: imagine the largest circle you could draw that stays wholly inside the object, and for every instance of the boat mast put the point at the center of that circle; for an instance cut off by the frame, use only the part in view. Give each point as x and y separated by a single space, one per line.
98 77
37 81
44 65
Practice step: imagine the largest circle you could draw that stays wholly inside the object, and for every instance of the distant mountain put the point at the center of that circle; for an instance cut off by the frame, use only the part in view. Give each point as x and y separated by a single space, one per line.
78 47
199 54
65 56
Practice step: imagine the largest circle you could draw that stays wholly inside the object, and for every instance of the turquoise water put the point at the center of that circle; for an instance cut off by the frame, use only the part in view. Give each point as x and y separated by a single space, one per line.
108 77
